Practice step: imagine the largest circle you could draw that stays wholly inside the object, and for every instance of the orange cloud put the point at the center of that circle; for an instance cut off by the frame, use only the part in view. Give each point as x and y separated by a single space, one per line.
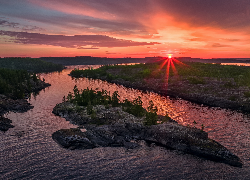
182 28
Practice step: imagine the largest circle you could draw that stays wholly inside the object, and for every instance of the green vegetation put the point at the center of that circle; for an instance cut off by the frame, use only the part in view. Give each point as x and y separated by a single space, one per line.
212 84
193 72
90 98
17 83
127 72
232 98
202 127
29 64
247 94
151 115
213 70
195 80
18 78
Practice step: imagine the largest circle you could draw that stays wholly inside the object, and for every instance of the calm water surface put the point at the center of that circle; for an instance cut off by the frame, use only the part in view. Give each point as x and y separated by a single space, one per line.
28 151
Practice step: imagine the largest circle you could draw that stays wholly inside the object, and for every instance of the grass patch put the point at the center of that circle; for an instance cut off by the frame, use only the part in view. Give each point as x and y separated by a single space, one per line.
195 80
193 71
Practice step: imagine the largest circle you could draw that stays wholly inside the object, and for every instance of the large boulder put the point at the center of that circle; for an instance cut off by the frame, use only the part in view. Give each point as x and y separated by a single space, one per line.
170 135
191 140
72 139
100 136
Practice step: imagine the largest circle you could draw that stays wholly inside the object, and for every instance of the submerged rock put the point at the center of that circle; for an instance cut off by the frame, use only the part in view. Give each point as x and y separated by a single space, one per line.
5 124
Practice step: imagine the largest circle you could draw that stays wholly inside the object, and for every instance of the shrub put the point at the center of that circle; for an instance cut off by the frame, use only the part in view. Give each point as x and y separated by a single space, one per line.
196 80
115 99
247 94
165 119
110 77
232 98
151 119
151 115
145 73
134 107
90 109
89 98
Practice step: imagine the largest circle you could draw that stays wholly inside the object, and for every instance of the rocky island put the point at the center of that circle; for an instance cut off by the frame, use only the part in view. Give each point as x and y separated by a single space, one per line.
105 121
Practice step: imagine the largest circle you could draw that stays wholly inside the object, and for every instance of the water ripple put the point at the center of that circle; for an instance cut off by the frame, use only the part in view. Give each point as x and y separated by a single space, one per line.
28 151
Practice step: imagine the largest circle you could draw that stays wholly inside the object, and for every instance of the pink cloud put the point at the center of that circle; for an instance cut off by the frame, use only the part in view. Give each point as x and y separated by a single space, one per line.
76 41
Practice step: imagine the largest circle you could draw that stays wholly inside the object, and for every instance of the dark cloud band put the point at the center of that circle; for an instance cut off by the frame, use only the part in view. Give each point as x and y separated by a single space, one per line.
76 41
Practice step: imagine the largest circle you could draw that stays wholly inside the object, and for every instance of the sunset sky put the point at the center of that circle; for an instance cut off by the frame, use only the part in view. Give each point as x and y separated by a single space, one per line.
125 28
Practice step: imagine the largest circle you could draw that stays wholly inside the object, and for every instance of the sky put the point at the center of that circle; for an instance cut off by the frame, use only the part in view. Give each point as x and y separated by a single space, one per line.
125 28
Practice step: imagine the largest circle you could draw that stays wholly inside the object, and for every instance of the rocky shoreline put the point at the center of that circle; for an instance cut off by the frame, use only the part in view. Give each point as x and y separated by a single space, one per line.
211 85
112 127
5 124
176 91
16 105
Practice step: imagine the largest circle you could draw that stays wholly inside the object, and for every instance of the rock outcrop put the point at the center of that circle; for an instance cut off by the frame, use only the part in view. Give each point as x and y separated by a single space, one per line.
18 105
7 103
98 114
124 129
38 86
100 136
5 124
191 140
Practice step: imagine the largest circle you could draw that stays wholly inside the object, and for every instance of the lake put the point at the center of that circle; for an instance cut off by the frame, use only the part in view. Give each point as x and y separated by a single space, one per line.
27 151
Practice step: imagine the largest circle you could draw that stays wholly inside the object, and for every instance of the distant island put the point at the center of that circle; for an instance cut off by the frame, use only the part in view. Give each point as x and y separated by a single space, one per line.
90 60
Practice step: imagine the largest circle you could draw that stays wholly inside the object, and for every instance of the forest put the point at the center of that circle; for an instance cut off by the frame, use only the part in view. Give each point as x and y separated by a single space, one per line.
30 64
18 76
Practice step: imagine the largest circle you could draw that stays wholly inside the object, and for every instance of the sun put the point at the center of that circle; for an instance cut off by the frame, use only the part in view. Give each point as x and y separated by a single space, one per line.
170 63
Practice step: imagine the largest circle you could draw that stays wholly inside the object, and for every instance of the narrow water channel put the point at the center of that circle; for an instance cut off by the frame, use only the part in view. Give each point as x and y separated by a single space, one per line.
28 151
